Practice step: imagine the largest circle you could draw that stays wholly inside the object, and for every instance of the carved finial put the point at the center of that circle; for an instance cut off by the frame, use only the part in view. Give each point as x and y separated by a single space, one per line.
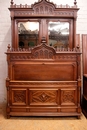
75 2
12 2
8 47
78 46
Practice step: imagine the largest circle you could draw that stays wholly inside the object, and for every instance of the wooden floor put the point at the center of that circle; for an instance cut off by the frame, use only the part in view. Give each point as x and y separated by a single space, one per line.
40 123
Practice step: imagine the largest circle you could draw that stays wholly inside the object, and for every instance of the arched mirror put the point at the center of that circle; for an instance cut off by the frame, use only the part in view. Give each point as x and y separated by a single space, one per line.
28 34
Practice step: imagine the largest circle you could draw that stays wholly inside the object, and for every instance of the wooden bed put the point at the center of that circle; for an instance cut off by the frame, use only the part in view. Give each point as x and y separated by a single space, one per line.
43 80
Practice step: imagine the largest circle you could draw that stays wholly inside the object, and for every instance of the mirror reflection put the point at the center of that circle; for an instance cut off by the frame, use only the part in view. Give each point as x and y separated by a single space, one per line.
28 33
58 34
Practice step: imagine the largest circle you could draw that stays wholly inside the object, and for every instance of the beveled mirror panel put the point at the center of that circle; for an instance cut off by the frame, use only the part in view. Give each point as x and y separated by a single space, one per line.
58 33
28 33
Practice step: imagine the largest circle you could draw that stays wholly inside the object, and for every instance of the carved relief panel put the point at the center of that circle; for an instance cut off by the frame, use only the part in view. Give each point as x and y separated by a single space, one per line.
43 97
68 96
19 96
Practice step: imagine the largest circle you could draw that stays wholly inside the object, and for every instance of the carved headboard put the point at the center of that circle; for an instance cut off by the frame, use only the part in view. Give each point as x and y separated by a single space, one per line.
43 63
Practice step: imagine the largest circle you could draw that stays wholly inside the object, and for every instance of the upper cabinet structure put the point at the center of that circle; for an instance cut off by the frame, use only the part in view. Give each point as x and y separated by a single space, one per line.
30 24
43 61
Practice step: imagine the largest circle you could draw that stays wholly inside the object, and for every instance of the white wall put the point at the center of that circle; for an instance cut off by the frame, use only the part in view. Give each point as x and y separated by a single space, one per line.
5 32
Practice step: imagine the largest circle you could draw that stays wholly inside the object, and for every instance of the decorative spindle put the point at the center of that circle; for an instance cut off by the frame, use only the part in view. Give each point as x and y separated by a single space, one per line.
8 47
75 2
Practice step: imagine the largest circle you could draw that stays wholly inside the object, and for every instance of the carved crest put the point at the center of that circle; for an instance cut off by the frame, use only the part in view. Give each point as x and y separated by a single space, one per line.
43 6
43 51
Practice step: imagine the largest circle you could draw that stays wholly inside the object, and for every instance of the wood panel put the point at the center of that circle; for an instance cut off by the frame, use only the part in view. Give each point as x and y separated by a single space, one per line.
84 101
43 97
45 71
19 96
84 50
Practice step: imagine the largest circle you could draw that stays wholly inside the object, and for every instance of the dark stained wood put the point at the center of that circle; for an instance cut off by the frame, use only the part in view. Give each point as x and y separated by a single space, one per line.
84 101
84 49
43 80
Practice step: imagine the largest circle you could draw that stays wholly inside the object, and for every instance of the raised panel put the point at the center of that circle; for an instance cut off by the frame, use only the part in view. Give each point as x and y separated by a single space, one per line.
43 97
19 96
68 96
45 71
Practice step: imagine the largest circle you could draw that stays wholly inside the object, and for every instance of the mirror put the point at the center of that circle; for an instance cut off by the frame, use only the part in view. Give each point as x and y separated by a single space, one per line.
58 33
28 34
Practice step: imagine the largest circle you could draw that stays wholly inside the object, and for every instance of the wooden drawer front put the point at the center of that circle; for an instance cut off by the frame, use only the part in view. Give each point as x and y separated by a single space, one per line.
43 97
19 96
69 96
